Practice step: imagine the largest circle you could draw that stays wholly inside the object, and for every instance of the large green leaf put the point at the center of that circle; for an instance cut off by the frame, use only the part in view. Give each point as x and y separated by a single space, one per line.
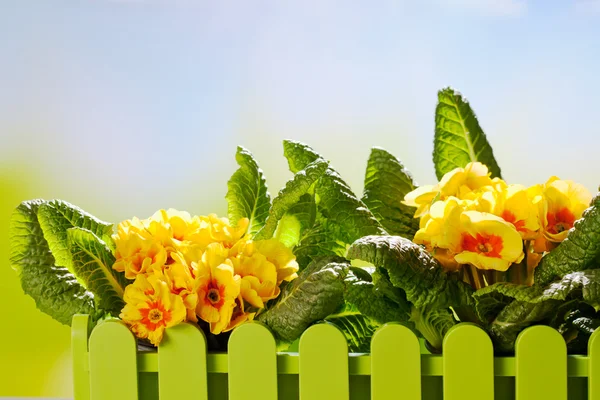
535 304
348 217
56 217
578 252
317 242
357 328
92 263
432 323
247 195
54 289
373 302
288 196
297 220
316 293
386 184
412 269
459 139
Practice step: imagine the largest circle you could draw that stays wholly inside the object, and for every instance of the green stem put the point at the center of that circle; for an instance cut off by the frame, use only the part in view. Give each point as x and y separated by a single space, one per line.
477 281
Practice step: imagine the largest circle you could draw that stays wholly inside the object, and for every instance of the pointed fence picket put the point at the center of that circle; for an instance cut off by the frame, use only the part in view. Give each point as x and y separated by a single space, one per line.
107 365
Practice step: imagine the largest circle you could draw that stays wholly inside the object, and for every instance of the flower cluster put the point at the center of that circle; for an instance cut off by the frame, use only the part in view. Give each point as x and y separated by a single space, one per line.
469 218
187 268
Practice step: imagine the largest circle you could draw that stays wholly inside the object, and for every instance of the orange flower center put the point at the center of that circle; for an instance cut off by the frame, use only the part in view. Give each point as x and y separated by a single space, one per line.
510 217
561 221
490 246
155 315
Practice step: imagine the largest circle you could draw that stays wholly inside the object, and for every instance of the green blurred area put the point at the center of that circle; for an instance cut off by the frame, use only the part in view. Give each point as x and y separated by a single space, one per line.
35 351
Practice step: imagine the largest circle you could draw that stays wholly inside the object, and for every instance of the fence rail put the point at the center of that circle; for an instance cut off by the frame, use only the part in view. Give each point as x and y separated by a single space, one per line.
106 365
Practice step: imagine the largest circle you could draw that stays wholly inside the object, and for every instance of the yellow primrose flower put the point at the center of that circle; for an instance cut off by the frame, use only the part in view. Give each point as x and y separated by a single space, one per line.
150 307
259 279
179 223
421 198
280 256
218 288
564 203
442 227
238 316
460 183
181 281
171 228
213 229
129 227
136 254
519 206
488 242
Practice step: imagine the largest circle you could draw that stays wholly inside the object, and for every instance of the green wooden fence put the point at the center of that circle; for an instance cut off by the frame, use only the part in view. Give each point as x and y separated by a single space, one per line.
107 365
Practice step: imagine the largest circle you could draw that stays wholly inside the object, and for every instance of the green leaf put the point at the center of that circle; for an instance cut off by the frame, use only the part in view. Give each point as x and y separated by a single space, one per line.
433 323
316 293
92 262
382 283
348 218
535 304
411 269
298 155
578 252
459 139
357 328
54 289
489 303
288 196
317 242
247 195
56 217
370 301
386 184
297 221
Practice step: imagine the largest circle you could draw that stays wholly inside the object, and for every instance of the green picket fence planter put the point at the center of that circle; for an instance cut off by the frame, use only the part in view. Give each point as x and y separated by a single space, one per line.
107 366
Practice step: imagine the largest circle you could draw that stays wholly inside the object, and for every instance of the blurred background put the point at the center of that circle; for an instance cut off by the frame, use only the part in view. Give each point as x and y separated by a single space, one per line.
123 107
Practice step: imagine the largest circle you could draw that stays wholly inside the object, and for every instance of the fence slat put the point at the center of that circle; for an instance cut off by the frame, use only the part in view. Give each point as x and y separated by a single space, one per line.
395 364
182 364
252 363
541 364
594 366
113 362
79 352
468 364
323 364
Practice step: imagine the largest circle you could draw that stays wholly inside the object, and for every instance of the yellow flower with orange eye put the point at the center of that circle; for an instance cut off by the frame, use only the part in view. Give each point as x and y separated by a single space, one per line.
150 308
218 288
515 204
564 203
137 254
457 236
488 242
520 207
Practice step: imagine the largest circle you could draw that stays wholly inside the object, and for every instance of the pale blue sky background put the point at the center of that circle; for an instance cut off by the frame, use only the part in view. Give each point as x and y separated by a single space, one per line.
124 107
131 94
